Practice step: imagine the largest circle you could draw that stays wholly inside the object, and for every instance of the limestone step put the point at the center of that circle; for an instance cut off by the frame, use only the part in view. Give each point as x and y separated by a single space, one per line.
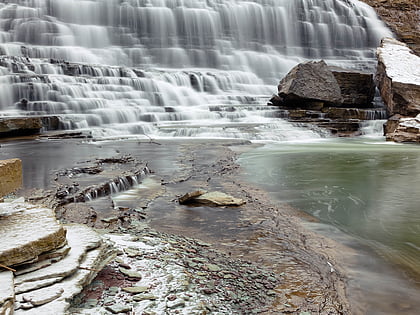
26 231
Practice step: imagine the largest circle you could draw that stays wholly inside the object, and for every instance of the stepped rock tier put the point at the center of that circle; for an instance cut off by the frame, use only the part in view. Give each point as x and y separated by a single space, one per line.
165 67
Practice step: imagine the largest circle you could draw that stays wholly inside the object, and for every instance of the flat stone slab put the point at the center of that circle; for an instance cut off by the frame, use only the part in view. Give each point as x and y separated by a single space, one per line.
217 198
26 231
54 298
80 239
10 176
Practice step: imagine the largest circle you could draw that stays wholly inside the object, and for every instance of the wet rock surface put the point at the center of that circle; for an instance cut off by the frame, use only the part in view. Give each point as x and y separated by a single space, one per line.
179 276
83 190
295 270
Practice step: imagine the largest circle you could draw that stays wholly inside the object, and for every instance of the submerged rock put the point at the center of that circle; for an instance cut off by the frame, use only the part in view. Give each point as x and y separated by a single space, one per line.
309 84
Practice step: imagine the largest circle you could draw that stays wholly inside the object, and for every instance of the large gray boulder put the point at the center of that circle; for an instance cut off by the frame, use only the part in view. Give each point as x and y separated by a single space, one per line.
310 84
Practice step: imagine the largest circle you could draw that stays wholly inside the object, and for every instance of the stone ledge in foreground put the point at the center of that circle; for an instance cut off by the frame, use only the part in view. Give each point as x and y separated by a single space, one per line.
26 231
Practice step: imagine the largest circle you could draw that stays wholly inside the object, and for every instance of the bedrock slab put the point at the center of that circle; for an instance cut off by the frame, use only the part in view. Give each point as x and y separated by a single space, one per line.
80 239
53 295
10 176
26 231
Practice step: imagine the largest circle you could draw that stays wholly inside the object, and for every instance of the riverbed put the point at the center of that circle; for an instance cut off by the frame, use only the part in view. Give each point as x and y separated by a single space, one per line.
325 265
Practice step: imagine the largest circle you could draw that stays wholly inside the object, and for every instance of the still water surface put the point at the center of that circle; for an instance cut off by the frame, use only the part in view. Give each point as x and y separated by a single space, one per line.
370 190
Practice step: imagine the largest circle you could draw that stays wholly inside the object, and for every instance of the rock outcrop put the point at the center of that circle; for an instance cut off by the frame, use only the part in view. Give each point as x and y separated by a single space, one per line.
27 125
20 126
407 130
10 176
403 17
310 85
332 98
398 76
47 265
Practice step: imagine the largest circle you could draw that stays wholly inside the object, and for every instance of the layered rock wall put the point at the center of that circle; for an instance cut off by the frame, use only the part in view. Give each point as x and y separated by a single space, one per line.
403 17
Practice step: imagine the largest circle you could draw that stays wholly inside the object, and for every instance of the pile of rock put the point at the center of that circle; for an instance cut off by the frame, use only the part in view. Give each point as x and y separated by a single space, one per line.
330 97
43 263
398 76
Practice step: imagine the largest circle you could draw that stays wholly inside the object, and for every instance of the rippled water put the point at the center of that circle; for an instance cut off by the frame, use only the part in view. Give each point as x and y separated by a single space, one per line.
368 189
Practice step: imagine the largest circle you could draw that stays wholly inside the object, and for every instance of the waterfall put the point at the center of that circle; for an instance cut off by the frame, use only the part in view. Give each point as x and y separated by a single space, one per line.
159 67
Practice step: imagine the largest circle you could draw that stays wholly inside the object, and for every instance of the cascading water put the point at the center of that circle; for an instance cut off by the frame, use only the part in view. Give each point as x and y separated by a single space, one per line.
171 67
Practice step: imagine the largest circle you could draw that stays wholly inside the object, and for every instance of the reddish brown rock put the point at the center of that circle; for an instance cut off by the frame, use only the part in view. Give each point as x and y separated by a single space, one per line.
403 17
407 130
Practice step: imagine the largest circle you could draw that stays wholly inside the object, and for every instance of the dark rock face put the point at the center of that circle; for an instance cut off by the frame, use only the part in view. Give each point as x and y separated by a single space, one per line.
310 85
357 88
20 126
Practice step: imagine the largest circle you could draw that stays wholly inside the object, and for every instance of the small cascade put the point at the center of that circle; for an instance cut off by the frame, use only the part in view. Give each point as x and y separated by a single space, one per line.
149 66
373 128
